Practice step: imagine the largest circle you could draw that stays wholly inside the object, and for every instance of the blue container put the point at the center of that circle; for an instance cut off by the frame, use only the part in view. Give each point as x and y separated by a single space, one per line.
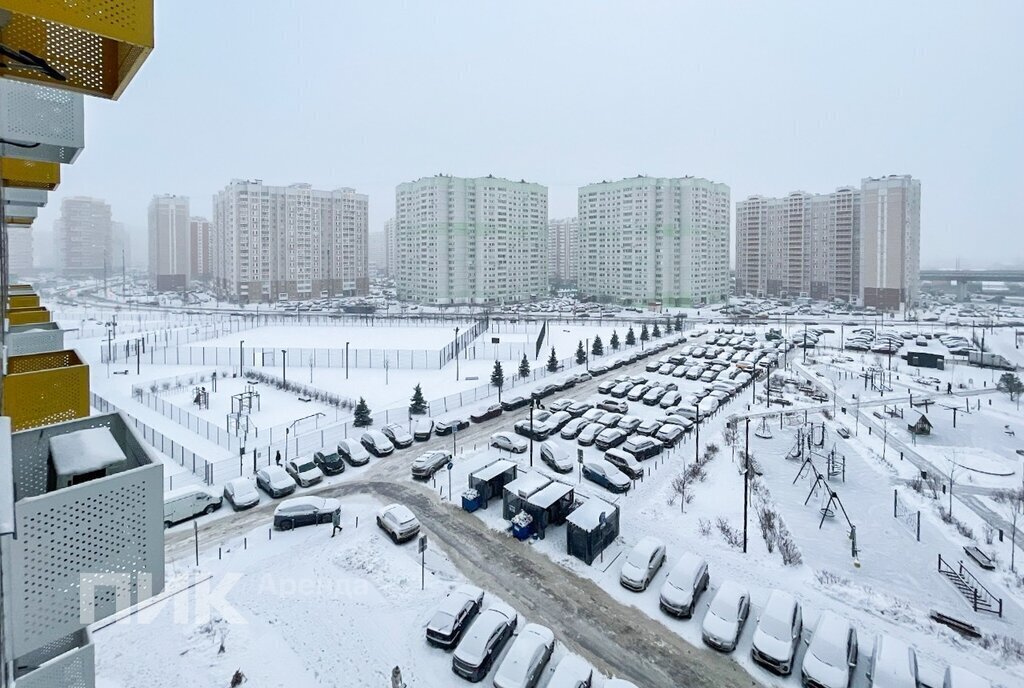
522 532
470 504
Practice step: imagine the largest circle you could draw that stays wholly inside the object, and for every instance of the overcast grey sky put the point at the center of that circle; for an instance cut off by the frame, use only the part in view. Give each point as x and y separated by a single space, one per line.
767 97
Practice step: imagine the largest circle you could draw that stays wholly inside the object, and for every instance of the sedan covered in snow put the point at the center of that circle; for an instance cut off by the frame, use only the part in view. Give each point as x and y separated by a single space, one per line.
305 511
485 640
832 653
556 456
275 481
726 616
526 659
606 475
642 564
507 441
453 616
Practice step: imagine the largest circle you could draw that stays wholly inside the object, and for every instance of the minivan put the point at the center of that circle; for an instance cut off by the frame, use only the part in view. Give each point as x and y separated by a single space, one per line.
188 502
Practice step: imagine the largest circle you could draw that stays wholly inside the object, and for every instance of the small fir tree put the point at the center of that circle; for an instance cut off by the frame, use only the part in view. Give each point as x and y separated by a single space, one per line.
552 361
581 353
614 341
644 334
524 367
498 377
630 337
597 348
656 331
417 405
362 415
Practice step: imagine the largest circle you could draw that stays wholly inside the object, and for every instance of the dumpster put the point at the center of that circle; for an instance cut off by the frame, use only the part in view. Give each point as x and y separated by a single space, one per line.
470 500
522 526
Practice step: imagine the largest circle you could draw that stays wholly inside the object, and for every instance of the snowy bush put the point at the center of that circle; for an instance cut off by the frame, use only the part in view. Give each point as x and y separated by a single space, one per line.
767 519
961 527
828 579
733 537
704 527
787 547
1007 646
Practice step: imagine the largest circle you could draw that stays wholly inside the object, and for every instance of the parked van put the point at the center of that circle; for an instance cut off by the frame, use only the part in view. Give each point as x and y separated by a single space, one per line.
189 502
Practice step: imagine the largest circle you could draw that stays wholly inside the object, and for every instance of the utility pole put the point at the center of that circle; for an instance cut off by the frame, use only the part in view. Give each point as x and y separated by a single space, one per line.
240 357
457 367
346 360
746 482
284 369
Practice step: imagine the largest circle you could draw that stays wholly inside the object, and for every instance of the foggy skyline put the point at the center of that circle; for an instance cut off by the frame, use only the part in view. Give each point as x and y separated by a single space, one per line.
767 99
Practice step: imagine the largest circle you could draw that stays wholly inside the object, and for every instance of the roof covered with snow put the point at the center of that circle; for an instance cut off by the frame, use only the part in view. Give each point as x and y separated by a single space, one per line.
493 470
527 484
85 451
588 515
550 494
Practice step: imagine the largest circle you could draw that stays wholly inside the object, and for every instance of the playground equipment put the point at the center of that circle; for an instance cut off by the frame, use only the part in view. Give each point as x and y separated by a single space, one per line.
829 501
243 401
201 397
763 430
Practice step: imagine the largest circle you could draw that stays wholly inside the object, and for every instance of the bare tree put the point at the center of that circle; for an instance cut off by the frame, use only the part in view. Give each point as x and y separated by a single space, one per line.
1013 504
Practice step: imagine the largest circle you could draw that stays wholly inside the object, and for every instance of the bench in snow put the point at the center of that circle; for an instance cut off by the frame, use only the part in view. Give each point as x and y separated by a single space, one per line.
982 559
961 627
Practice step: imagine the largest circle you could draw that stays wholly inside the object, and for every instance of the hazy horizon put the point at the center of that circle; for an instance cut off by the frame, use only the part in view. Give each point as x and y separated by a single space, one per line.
767 99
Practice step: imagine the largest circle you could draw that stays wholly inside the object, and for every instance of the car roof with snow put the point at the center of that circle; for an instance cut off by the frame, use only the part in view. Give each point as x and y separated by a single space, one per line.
473 645
524 651
303 503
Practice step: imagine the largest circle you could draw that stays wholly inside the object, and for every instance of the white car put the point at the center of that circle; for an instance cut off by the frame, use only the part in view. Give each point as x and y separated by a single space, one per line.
304 471
572 672
241 493
510 442
526 659
893 664
619 683
353 453
831 655
454 615
556 456
486 638
955 677
684 585
642 564
727 613
377 443
398 522
778 633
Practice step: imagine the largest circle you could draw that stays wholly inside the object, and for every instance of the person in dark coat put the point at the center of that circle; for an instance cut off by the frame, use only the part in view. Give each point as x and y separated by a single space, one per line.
278 457
336 522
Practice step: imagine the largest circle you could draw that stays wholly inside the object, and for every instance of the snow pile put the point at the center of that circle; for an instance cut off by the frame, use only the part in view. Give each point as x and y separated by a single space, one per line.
85 451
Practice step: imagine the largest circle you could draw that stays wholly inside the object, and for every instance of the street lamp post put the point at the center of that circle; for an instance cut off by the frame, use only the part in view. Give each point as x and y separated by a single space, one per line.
457 363
240 343
587 352
746 482
346 360
284 369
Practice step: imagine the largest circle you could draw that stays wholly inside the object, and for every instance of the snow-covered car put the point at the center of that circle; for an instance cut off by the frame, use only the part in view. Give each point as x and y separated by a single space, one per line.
329 462
377 443
648 428
610 437
642 564
613 406
831 655
588 435
399 522
726 615
304 471
423 429
447 427
275 481
625 462
426 465
556 456
398 435
642 448
778 633
507 441
578 408
241 494
893 664
526 659
956 677
305 511
572 672
513 403
573 428
561 404
484 641
491 412
453 616
606 475
352 452
537 429
557 420
629 424
669 434
687 580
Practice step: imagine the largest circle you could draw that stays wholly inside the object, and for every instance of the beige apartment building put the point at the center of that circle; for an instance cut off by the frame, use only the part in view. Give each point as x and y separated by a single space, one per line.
170 255
890 241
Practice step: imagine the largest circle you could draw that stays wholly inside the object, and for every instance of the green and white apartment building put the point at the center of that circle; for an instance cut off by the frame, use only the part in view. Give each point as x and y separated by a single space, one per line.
471 240
650 240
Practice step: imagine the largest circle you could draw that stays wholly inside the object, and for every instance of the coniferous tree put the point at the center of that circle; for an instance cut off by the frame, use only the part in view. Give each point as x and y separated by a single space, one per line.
630 337
417 405
524 367
614 341
644 334
362 414
656 332
552 361
498 377
597 348
581 353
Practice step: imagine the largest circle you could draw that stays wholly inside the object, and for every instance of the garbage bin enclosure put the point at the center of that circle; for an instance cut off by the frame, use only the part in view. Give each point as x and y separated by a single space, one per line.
519 490
490 480
590 528
550 505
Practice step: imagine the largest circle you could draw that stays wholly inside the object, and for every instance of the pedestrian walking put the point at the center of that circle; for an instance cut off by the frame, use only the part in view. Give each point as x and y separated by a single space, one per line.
949 388
336 522
278 457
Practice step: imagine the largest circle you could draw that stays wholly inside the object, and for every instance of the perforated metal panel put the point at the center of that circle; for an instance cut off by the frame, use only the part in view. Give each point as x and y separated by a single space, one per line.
19 173
36 197
51 117
30 341
24 301
98 45
111 525
45 388
66 663
27 316
20 212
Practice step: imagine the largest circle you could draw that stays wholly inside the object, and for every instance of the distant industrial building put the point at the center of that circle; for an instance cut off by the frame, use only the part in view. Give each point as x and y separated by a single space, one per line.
294 242
170 261
800 245
471 240
83 237
649 240
564 251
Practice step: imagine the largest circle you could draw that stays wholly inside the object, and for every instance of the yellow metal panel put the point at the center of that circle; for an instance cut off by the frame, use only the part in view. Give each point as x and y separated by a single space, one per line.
43 389
22 221
29 174
23 301
28 316
98 45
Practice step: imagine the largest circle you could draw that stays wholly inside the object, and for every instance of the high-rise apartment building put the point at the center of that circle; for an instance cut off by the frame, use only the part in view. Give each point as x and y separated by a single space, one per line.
169 254
83 235
800 245
854 244
653 239
120 247
377 253
564 251
390 249
19 242
200 241
471 240
890 241
289 242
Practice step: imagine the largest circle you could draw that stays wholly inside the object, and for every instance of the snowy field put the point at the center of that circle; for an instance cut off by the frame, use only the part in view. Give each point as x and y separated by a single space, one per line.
326 337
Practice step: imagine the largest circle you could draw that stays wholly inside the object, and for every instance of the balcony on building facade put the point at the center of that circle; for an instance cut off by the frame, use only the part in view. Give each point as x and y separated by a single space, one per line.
69 661
27 316
34 339
89 519
45 388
